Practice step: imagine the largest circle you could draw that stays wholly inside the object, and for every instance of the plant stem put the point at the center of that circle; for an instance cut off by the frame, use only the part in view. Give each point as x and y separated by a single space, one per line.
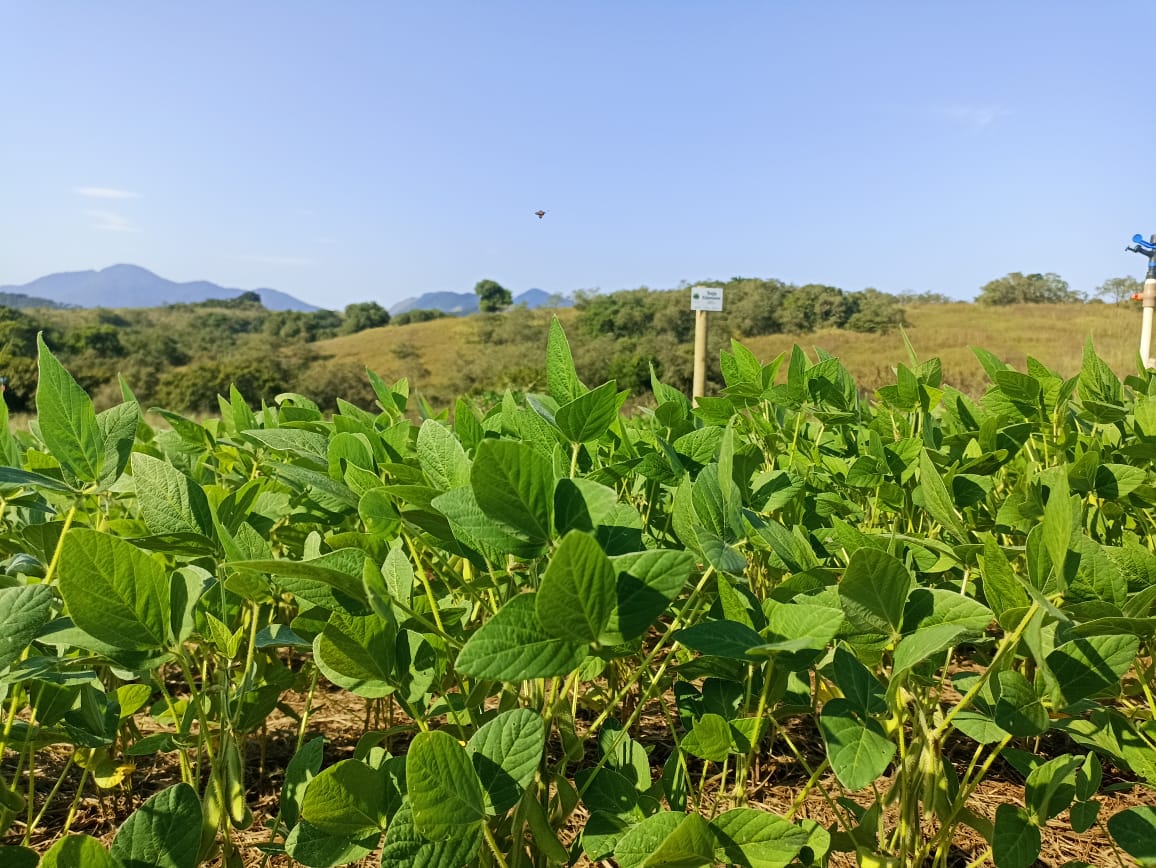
489 836
50 572
742 774
645 665
1009 641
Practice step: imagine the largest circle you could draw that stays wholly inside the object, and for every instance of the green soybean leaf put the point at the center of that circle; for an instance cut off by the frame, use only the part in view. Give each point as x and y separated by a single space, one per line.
164 832
514 646
297 441
858 749
590 415
667 839
625 755
1089 777
1002 590
1097 578
801 628
1057 524
1051 787
937 499
1018 709
405 847
169 501
16 476
473 527
118 426
859 686
358 652
647 583
578 590
605 790
23 611
444 791
67 419
720 554
756 839
514 484
506 752
873 591
601 834
930 607
323 490
923 644
308 845
728 639
394 581
710 738
1084 816
561 375
73 851
1117 481
979 727
1015 842
341 570
442 458
347 800
1134 830
114 591
301 769
582 504
1088 665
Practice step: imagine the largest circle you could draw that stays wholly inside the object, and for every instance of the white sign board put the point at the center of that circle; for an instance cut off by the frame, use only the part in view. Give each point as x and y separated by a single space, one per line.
706 298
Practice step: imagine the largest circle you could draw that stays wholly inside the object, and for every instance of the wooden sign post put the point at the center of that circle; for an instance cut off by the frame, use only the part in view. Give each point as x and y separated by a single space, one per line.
703 299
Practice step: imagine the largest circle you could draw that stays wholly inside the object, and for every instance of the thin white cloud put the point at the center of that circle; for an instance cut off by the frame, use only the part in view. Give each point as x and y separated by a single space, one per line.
976 117
287 261
104 193
110 221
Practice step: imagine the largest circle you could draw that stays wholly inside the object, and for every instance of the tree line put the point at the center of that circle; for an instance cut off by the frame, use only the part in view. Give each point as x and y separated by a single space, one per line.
1020 288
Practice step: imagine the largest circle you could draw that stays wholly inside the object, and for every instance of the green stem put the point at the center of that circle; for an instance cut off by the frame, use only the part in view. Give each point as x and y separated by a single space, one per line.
48 574
645 665
421 576
1009 641
489 835
48 801
806 791
742 774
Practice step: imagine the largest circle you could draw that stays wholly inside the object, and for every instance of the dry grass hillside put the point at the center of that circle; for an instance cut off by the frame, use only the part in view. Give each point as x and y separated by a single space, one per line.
453 356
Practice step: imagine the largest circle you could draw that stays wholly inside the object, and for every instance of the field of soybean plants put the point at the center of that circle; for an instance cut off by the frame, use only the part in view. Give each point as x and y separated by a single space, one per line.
788 626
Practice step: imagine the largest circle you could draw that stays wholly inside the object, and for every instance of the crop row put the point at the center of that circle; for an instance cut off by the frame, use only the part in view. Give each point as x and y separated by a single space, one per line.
927 588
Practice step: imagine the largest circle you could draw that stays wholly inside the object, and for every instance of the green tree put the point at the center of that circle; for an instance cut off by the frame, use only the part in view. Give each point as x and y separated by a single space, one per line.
363 315
815 306
1020 288
1119 289
875 311
418 315
492 296
100 340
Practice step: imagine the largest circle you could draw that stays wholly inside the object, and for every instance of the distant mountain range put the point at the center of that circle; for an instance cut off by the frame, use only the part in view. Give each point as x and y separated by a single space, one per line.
133 286
462 303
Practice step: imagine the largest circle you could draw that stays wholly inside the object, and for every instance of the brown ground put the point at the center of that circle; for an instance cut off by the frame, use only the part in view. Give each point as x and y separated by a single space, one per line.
340 717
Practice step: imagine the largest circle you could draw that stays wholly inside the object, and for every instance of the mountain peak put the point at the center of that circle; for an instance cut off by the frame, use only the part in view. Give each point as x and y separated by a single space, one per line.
126 268
128 285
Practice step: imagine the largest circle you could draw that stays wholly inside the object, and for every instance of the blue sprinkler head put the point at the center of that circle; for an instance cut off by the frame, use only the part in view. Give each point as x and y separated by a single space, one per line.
1147 248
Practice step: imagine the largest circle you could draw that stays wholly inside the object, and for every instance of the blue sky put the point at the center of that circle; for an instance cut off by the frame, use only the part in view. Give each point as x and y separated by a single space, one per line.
371 150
